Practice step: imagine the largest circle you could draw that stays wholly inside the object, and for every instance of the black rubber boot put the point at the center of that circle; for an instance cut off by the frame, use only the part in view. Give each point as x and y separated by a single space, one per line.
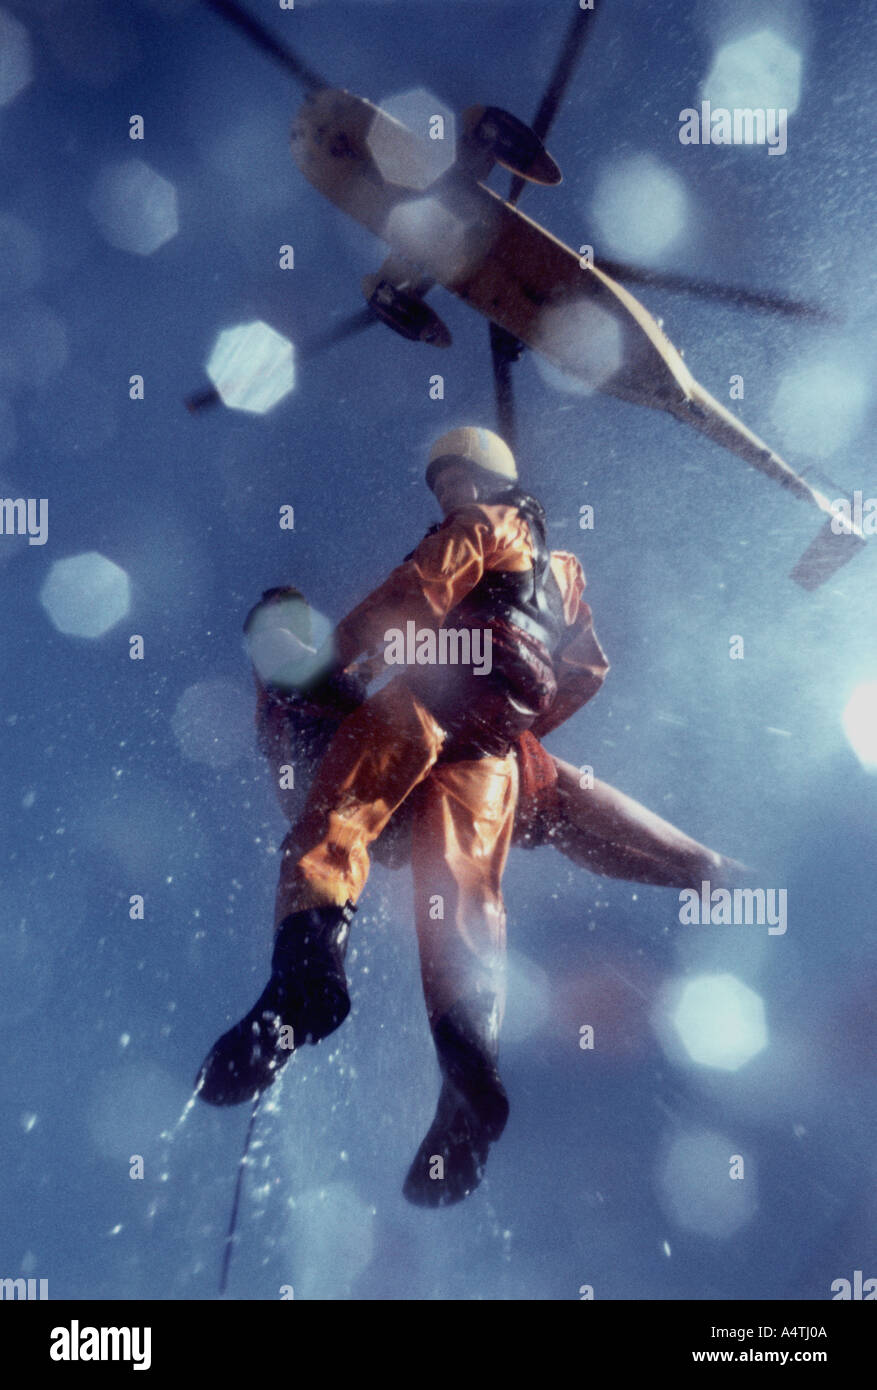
472 1108
307 993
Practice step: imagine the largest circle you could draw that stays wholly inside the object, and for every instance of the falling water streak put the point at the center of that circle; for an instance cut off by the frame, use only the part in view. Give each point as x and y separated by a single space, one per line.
497 1230
630 985
233 1219
272 1108
168 1134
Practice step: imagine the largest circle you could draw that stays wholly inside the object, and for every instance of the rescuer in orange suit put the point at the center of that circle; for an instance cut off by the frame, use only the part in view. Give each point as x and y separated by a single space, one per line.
454 750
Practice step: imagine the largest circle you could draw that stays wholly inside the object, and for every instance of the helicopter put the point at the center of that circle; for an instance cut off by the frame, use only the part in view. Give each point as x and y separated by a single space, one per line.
535 291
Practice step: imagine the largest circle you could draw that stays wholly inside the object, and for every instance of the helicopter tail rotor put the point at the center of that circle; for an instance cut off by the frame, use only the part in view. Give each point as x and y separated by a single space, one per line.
834 546
349 327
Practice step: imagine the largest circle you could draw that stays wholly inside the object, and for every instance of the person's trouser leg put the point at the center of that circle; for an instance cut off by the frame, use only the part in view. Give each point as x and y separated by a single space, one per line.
379 754
463 820
611 833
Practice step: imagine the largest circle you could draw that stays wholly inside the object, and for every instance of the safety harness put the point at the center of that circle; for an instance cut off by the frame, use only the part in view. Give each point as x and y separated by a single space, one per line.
522 609
523 612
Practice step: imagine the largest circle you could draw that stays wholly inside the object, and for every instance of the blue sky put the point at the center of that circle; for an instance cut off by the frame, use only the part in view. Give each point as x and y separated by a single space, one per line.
142 777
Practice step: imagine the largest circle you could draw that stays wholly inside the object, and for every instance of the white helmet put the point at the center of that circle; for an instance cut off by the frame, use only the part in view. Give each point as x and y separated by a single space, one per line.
481 448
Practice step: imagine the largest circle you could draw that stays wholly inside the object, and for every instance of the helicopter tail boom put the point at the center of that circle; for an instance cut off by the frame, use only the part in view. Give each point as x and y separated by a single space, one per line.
835 544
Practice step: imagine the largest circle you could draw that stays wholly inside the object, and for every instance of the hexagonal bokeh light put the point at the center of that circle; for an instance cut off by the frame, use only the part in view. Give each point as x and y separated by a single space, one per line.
134 207
583 344
820 405
429 234
213 723
21 257
85 595
528 1009
252 367
859 721
758 70
639 207
15 58
90 40
128 1107
720 1022
33 343
331 1229
694 1188
285 639
402 139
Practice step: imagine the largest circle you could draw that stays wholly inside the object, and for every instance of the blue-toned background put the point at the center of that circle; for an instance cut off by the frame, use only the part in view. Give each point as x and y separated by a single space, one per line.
130 777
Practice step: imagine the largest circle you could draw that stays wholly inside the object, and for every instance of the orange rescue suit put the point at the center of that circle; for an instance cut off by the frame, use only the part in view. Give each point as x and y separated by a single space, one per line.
390 749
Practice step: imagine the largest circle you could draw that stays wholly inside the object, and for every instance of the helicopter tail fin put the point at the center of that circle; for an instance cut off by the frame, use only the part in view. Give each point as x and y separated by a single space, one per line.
840 537
824 556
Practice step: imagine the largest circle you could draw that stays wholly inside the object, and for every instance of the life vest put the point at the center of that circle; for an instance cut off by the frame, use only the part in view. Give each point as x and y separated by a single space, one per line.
524 614
523 611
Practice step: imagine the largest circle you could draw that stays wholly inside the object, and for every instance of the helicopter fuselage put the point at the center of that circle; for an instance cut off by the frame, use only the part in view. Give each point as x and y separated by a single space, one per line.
461 234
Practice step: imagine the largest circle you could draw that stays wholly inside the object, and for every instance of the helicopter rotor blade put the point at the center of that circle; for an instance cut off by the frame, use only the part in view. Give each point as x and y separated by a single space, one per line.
686 284
257 33
202 400
346 328
205 399
579 29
